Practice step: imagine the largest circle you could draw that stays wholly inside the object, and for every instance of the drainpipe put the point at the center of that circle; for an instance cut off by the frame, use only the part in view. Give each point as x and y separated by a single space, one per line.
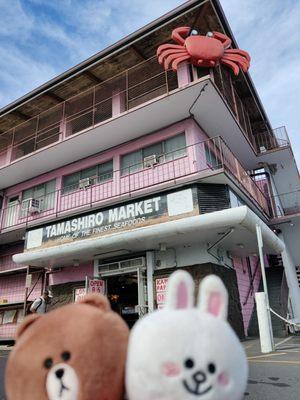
150 270
292 281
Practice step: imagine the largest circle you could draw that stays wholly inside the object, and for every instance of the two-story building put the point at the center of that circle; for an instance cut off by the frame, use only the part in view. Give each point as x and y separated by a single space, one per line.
122 170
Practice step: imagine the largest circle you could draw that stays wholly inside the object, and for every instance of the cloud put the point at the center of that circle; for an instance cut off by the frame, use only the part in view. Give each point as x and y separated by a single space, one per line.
268 30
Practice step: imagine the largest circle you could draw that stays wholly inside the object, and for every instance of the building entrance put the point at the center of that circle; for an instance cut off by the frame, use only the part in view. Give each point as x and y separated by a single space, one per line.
122 292
126 287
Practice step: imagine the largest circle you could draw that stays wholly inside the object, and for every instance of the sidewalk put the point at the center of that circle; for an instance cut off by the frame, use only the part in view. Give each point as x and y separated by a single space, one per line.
274 376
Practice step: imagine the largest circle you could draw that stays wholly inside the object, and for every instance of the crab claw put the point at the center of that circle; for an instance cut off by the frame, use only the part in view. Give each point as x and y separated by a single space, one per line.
180 34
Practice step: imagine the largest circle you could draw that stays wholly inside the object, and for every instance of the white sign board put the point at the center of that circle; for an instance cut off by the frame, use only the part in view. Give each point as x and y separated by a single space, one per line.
79 294
96 286
161 285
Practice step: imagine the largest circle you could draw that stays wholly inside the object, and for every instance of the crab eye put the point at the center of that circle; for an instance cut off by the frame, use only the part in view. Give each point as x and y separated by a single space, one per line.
189 363
48 363
209 34
211 368
194 32
66 355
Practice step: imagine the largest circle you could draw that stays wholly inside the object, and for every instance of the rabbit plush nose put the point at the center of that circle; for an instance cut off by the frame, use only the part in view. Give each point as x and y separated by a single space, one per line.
199 377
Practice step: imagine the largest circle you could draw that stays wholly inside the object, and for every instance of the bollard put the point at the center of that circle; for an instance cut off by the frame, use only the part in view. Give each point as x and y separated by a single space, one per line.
265 331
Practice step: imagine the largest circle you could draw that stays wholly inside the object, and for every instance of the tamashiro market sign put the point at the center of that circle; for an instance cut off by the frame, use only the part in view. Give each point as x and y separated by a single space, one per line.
161 286
137 214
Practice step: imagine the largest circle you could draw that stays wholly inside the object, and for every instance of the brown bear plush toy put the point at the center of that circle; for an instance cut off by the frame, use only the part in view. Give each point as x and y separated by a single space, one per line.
76 352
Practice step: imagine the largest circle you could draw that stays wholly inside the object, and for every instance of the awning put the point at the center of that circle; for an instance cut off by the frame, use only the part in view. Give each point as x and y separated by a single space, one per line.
205 228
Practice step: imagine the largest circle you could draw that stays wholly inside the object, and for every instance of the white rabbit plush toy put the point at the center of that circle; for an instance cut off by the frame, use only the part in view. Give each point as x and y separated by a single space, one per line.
185 353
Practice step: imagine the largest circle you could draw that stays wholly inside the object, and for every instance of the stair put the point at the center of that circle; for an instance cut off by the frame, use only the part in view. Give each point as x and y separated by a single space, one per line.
277 300
298 273
277 297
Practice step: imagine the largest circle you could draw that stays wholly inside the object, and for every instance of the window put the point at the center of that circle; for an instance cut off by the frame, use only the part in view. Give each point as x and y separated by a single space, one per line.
211 158
44 193
235 201
93 175
165 151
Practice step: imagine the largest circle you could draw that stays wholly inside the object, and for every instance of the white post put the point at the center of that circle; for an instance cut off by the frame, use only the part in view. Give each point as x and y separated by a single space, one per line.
150 269
266 340
263 273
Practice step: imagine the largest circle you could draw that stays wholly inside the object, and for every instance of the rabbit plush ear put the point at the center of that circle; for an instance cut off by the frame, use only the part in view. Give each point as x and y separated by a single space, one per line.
213 297
180 290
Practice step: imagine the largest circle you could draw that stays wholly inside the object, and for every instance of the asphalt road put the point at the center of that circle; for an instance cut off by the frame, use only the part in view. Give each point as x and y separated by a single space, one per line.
272 377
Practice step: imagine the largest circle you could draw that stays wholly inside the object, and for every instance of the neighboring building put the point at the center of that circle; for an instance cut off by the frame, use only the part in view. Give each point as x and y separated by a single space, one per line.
120 170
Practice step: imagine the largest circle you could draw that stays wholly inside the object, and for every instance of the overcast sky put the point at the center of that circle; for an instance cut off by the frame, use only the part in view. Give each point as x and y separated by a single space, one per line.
40 39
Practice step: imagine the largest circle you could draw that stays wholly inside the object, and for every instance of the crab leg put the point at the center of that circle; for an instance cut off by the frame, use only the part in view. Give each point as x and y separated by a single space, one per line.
231 65
179 60
170 59
167 46
243 63
239 52
225 40
179 34
168 53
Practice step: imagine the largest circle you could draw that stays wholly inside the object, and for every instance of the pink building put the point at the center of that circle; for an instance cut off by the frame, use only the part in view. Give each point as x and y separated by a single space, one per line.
132 170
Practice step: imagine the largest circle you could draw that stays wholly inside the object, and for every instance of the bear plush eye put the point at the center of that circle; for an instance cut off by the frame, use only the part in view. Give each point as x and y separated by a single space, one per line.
211 368
48 363
189 363
66 355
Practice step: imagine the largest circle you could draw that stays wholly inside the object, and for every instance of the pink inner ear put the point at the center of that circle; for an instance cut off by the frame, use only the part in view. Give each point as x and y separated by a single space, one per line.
182 295
214 303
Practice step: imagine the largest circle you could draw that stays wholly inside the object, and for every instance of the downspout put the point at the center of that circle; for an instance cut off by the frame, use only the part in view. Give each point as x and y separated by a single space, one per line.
229 232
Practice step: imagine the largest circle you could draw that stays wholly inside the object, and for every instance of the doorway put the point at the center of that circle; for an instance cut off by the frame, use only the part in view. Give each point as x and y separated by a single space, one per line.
122 291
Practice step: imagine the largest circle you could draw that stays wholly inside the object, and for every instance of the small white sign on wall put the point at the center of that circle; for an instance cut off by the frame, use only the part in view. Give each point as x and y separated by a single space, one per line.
34 238
180 202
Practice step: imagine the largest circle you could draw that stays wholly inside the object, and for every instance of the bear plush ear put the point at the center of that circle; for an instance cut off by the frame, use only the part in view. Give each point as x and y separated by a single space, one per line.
29 320
213 297
96 300
180 290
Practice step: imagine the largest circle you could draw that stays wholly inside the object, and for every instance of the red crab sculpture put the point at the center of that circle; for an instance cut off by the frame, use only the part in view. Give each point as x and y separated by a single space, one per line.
202 51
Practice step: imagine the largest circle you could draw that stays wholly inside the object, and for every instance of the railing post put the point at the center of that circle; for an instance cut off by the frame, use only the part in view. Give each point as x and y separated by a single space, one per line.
127 89
36 131
94 106
167 84
221 143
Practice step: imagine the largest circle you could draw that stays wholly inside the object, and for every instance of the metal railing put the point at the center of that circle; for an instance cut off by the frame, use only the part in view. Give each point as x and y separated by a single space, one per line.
209 156
272 140
131 88
287 204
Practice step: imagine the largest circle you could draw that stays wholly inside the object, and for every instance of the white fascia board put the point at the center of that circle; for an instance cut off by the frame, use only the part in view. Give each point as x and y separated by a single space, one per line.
242 216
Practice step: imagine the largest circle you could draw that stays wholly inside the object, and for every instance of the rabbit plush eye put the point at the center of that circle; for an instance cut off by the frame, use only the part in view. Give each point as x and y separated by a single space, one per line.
211 368
189 363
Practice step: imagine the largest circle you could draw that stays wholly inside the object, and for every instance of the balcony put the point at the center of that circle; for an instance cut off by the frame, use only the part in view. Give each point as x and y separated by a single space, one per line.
287 204
131 103
88 109
192 163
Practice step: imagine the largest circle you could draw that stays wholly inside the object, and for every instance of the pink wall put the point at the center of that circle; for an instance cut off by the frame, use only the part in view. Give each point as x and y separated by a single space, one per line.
240 265
72 274
12 287
6 262
194 161
193 135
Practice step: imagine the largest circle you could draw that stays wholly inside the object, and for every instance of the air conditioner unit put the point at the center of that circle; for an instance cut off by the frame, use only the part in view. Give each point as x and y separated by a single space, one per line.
33 206
84 183
262 149
150 161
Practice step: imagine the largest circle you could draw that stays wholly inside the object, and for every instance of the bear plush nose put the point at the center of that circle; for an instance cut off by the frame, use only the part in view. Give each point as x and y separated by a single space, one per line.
199 377
59 373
